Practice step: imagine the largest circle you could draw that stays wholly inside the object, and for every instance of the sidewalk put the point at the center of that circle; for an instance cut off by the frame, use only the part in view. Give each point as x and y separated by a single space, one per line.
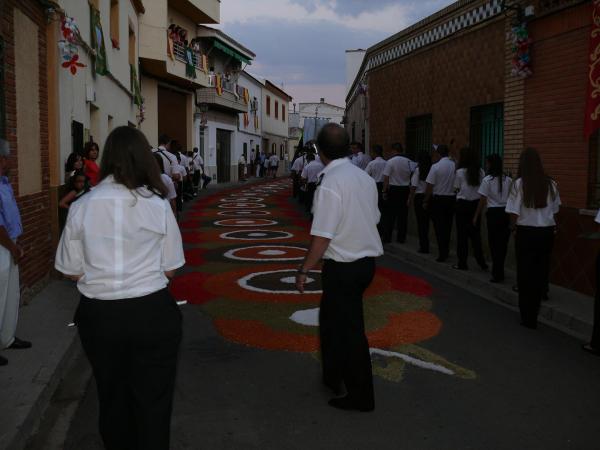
32 376
567 310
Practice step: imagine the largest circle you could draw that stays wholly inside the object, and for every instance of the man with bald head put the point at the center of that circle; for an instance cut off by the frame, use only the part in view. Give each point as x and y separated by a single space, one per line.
10 256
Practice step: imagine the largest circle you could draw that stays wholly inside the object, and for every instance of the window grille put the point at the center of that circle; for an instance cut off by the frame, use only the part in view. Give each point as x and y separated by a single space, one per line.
418 135
487 129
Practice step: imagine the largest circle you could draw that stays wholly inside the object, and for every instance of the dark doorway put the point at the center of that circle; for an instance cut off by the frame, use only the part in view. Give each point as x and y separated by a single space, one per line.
172 117
223 156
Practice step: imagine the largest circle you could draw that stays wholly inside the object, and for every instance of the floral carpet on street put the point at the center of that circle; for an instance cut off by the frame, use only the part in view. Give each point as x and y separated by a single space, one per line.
242 250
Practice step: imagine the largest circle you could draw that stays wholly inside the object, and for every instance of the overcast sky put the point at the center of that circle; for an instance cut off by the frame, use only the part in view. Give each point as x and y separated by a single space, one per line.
301 43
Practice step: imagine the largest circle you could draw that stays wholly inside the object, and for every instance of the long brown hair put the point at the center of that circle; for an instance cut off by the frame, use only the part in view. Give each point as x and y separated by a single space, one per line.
535 183
469 160
128 158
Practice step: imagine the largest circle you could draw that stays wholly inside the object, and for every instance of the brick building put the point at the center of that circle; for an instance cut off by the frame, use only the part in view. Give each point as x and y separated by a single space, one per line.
448 79
24 122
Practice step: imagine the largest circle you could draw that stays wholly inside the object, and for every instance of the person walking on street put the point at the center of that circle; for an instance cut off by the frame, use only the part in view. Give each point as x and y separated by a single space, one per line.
359 158
122 244
396 188
468 224
344 233
11 254
90 167
375 170
440 198
533 203
273 165
494 192
418 187
310 177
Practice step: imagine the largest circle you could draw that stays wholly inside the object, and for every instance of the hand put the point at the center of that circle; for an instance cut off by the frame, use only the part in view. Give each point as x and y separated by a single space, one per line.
384 195
300 280
17 253
74 277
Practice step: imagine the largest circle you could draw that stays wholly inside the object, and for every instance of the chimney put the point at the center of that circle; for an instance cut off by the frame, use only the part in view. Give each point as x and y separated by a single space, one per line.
322 100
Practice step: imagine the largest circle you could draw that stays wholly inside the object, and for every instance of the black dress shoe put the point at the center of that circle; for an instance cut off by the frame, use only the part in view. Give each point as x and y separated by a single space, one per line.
496 280
587 347
19 344
440 259
3 361
336 387
459 267
531 326
347 404
425 252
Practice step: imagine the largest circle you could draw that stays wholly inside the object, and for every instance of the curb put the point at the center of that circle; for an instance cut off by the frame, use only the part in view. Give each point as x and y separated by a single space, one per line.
578 324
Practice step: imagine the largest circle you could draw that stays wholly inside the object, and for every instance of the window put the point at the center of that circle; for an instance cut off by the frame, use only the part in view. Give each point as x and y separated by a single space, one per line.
487 129
2 93
268 105
245 151
283 112
114 23
132 46
276 109
418 135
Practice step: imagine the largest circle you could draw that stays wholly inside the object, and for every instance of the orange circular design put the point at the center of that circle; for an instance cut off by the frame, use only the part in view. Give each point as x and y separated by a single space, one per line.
226 285
245 222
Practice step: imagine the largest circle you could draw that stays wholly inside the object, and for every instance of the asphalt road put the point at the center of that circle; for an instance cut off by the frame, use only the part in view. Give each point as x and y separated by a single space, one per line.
521 389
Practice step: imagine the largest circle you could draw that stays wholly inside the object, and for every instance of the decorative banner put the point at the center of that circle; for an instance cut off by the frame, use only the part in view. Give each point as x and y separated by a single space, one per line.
219 85
190 68
592 110
521 61
68 45
135 86
101 62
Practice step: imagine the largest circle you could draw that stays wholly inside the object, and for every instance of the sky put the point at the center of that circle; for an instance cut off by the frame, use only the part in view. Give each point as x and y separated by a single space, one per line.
300 44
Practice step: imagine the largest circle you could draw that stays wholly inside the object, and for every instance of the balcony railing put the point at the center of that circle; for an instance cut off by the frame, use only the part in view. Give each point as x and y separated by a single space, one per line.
179 52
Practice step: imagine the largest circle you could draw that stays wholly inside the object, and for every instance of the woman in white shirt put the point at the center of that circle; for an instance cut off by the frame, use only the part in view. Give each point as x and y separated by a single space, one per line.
466 182
168 182
122 244
532 204
494 191
418 186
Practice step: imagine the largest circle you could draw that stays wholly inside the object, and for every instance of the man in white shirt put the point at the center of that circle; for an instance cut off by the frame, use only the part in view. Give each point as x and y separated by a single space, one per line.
296 170
164 150
359 158
273 164
396 189
310 177
440 198
344 233
375 170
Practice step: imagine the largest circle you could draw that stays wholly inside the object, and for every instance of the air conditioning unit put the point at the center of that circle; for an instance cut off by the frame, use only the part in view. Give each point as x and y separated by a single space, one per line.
90 94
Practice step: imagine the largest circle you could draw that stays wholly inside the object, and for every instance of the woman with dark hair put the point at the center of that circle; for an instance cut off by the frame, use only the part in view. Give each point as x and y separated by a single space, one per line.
466 182
533 203
122 244
168 182
91 169
418 186
77 186
73 164
494 191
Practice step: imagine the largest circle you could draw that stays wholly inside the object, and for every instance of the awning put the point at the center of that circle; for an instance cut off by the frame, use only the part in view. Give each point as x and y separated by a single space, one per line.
231 52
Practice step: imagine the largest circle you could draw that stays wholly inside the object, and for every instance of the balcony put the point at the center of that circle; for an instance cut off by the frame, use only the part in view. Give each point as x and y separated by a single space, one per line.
199 11
231 99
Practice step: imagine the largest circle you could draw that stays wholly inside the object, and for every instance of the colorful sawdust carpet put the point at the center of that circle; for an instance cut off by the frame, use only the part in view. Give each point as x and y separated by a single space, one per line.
242 249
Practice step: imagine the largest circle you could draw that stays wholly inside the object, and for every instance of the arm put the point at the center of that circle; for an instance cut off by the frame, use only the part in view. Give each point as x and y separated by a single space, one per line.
318 246
428 194
411 197
513 221
67 199
386 186
482 203
15 250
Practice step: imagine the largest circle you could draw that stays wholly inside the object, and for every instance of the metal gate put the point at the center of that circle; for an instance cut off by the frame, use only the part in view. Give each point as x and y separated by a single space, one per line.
487 129
418 135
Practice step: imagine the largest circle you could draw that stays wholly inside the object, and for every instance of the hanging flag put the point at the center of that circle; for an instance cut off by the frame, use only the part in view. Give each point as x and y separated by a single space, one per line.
219 85
190 68
255 121
100 61
205 63
170 44
592 110
135 86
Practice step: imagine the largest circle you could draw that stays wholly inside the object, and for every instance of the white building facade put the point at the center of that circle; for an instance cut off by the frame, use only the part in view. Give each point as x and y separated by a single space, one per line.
250 122
276 103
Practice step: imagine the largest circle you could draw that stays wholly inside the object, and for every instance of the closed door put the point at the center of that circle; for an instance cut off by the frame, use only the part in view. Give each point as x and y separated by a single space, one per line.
223 156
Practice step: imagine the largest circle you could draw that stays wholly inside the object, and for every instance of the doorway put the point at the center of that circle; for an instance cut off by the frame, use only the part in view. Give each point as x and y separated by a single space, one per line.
223 156
172 115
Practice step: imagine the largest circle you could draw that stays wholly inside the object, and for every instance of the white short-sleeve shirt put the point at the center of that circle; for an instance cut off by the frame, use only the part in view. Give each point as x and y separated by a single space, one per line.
121 241
417 183
299 164
399 169
375 169
169 159
441 176
532 217
345 211
312 170
465 191
172 193
496 197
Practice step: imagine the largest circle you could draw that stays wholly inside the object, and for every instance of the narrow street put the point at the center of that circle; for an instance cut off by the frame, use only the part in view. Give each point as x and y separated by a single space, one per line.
452 371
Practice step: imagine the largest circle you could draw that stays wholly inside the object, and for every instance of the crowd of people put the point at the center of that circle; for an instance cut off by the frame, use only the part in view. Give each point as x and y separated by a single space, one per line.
261 164
443 192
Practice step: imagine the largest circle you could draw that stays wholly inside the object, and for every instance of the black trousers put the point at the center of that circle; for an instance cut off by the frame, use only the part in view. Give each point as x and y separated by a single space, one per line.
534 249
498 224
132 346
422 223
344 346
396 213
310 196
595 342
381 207
467 231
295 185
442 212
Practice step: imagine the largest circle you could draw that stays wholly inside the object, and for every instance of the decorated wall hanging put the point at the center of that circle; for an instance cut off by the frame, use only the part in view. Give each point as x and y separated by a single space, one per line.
521 47
190 68
219 84
592 110
97 41
68 45
135 86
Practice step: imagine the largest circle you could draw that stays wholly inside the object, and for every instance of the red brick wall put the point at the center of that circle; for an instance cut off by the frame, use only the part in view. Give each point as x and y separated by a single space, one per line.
445 80
35 211
555 98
